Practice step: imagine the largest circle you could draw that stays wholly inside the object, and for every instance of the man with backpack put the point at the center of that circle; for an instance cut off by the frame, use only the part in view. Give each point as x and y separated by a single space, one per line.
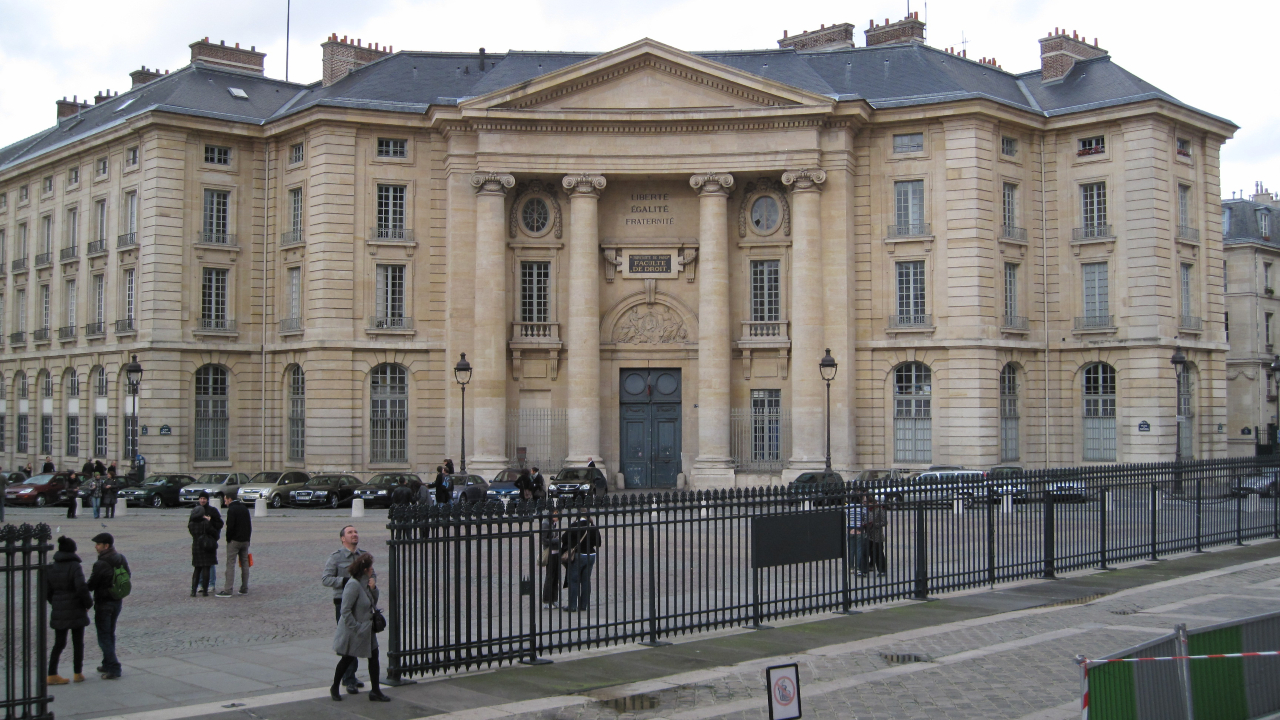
110 582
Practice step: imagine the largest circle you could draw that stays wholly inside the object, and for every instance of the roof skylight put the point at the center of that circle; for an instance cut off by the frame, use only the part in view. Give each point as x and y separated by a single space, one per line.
238 93
126 104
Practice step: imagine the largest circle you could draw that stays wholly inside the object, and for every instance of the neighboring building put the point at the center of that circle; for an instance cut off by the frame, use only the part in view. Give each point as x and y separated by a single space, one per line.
643 253
1252 252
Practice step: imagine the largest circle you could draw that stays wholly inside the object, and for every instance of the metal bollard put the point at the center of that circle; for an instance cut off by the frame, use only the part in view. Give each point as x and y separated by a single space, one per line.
1253 503
1107 495
121 508
957 506
1006 503
260 507
357 507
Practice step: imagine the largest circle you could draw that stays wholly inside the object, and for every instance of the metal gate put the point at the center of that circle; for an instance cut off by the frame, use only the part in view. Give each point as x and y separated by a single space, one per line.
650 432
22 567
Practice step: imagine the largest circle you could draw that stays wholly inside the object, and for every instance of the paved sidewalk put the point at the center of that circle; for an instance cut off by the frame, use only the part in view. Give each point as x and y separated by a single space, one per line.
995 653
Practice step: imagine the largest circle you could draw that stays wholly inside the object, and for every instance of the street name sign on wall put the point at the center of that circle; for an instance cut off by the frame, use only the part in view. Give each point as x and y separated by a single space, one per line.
784 691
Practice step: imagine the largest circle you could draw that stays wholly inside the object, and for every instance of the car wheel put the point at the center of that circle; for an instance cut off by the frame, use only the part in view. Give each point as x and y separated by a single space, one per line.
157 502
41 501
333 502
277 501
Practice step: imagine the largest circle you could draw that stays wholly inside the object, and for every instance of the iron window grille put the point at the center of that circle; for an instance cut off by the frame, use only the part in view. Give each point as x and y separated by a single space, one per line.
388 414
535 281
1100 413
766 291
211 413
912 414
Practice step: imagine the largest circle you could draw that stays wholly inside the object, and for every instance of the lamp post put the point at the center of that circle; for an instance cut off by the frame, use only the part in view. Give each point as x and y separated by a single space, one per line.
133 372
1179 361
462 373
827 368
1275 373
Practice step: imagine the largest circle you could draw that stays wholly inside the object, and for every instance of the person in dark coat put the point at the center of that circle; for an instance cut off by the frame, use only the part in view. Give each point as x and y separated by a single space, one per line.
354 637
68 594
48 466
72 493
98 467
443 487
875 523
551 540
448 466
106 609
539 484
239 531
524 483
110 489
86 470
205 525
402 495
582 540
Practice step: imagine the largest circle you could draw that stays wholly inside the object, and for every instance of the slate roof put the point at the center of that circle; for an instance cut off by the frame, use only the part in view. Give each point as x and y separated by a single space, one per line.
1240 222
884 76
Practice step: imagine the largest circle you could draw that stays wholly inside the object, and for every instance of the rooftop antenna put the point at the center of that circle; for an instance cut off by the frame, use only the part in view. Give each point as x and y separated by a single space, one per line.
288 16
964 43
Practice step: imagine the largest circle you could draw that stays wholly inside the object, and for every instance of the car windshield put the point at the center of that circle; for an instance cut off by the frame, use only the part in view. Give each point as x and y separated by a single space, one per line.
575 475
38 480
322 481
155 481
211 479
873 475
383 480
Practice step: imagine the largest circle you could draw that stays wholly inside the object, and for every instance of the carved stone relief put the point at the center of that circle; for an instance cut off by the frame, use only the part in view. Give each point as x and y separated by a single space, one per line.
753 190
650 324
535 188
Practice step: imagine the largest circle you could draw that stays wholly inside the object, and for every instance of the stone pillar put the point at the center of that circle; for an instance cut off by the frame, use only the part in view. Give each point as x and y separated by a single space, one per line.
488 396
713 467
808 392
582 341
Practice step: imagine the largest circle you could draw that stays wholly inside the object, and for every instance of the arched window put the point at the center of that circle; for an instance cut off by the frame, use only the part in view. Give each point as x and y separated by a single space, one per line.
1009 440
98 378
1186 414
45 383
389 414
211 413
297 414
22 429
1100 412
912 415
72 382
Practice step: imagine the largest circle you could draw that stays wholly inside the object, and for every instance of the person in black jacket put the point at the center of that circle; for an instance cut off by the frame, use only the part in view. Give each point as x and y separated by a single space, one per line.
581 541
442 486
48 466
68 593
524 483
402 495
106 609
110 488
205 525
239 529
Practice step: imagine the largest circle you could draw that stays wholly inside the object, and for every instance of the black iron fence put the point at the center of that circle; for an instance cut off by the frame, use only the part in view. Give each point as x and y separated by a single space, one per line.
467 587
25 553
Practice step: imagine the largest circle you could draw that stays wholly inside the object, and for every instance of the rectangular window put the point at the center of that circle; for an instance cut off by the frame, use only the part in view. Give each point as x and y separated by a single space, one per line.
1264 224
23 434
22 242
131 212
1009 436
131 157
766 425
46 306
908 142
20 312
73 435
1010 292
911 298
766 291
46 234
1009 208
24 193
128 293
1266 275
295 209
103 166
295 292
217 204
1226 222
297 415
100 212
1187 309
1184 206
912 430
908 207
391 212
1184 147
1008 146
1266 329
1093 206
4 201
217 155
46 434
213 298
73 176
1092 146
73 227
295 153
99 436
390 294
389 148
3 246
535 282
1097 306
70 303
99 298
48 184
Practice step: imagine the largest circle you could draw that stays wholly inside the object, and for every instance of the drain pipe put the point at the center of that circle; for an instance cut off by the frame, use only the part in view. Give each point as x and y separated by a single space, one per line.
1044 275
266 241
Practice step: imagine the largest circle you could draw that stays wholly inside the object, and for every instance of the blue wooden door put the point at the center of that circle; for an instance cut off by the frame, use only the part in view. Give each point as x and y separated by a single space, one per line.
650 431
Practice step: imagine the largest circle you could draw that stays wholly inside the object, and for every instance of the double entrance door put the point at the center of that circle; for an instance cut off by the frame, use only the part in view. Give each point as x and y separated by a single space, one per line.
650 427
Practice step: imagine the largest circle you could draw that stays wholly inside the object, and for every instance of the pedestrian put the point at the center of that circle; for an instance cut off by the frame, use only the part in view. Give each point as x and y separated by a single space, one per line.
87 469
205 525
578 555
335 577
98 467
355 636
539 485
524 483
68 594
856 514
874 525
109 587
402 495
239 530
423 494
48 465
27 469
110 490
443 487
448 466
590 461
73 495
94 490
550 560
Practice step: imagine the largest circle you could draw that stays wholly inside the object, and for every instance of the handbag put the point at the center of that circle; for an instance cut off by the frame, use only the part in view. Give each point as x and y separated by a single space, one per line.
567 558
544 557
379 621
250 559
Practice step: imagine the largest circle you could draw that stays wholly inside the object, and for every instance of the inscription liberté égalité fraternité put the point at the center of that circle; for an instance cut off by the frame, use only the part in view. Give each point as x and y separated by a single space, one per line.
650 207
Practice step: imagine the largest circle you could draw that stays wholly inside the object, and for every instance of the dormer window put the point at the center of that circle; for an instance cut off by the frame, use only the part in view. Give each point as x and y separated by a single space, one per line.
1264 224
1184 147
1092 146
908 143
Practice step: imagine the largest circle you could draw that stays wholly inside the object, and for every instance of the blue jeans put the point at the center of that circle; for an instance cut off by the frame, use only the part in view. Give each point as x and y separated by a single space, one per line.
580 581
858 551
105 614
97 503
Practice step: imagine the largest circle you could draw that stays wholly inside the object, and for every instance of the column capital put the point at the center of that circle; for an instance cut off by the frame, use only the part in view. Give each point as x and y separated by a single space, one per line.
807 180
583 185
492 183
712 183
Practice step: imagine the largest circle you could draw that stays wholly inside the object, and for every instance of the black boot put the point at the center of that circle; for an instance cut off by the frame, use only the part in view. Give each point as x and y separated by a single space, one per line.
334 694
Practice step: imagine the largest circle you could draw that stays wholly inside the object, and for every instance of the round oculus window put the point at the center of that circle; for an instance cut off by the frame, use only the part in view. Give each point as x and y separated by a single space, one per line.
764 214
535 216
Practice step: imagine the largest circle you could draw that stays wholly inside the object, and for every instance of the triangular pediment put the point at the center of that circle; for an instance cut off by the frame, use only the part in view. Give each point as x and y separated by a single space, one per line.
645 76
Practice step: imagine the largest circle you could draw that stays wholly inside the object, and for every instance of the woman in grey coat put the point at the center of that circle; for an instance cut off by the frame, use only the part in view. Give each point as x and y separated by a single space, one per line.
354 637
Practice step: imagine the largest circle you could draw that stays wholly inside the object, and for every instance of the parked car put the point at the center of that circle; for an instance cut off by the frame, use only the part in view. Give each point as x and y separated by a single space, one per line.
822 487
274 486
41 490
1262 484
122 482
462 482
935 486
11 478
1007 480
377 492
158 491
503 487
578 482
218 485
325 491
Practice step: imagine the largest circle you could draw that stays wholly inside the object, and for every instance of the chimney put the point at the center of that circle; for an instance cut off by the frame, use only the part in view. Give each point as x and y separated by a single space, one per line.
910 29
1059 52
235 58
102 97
1262 195
342 56
835 37
67 108
143 76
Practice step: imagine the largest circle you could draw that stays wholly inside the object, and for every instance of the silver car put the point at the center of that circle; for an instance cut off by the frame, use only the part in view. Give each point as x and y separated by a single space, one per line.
220 486
274 486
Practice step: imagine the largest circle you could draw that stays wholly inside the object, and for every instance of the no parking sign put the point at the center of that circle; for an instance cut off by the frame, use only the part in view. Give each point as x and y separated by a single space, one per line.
784 691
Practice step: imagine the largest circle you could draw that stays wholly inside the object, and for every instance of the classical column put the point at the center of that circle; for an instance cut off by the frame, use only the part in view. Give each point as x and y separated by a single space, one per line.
807 316
488 391
582 341
713 467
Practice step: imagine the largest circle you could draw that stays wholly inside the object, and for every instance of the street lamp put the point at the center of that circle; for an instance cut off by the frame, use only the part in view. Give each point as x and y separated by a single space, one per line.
1179 362
827 368
133 373
1275 373
462 373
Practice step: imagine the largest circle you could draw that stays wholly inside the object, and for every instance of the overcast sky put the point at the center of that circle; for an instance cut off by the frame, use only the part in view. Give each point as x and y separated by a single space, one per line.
1215 60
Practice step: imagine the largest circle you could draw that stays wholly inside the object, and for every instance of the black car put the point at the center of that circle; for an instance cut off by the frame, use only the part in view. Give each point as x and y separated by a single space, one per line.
823 487
1262 484
578 482
377 492
325 491
158 491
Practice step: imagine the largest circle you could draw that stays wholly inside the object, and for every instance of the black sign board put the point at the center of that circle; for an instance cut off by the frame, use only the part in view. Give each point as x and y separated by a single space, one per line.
797 538
645 264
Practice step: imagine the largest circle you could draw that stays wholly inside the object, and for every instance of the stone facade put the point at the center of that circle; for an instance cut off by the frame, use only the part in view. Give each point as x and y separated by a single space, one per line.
1253 311
645 209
